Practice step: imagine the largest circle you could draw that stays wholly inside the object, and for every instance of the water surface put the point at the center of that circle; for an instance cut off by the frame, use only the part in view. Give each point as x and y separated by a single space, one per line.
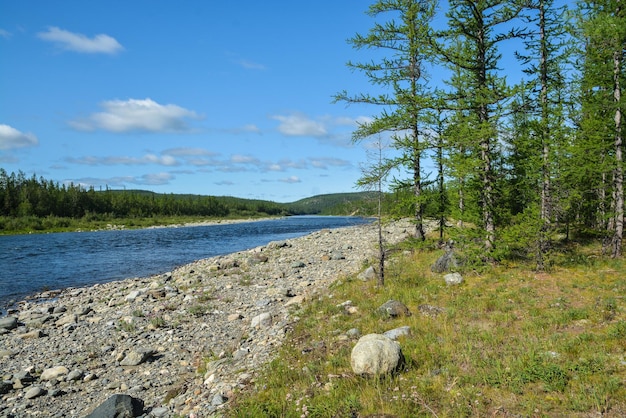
31 263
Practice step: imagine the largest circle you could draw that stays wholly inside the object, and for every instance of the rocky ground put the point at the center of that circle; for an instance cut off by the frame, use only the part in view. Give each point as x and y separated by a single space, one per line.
182 342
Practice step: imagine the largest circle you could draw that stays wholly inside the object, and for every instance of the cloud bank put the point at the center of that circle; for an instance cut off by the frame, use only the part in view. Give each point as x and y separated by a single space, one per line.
99 44
137 115
11 138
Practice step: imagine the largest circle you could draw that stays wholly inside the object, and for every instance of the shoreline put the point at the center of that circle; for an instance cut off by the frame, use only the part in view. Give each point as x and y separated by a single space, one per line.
10 301
204 328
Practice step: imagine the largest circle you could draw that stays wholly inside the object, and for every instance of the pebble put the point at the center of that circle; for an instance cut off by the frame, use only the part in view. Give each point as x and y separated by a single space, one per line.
150 337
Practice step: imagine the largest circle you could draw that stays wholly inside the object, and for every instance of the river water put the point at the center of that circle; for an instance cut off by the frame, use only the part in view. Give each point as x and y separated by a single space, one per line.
32 263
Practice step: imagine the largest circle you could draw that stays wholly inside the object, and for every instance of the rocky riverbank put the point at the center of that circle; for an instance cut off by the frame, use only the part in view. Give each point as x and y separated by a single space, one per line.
182 342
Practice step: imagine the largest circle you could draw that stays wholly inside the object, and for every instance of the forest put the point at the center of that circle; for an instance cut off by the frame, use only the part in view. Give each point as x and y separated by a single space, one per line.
524 165
30 204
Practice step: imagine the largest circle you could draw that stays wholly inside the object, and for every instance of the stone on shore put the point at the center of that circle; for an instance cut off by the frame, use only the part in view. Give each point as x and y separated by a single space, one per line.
136 357
263 320
8 322
53 373
34 392
375 354
118 406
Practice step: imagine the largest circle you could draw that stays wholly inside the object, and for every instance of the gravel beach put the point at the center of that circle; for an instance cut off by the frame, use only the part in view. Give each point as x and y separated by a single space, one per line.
181 342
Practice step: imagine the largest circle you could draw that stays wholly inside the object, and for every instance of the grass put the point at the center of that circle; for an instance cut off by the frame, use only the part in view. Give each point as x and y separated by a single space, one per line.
510 342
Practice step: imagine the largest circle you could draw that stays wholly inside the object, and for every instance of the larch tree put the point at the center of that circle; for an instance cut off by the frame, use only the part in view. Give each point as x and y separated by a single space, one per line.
403 42
480 26
603 29
542 102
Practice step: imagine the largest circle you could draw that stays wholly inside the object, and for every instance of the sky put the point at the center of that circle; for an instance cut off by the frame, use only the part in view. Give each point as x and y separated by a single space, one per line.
203 97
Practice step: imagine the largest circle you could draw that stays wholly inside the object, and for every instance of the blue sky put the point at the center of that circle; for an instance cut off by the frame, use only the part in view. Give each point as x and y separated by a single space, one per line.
204 97
194 96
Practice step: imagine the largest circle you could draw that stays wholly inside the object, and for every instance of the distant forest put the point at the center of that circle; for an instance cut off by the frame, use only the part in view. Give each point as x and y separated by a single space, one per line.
23 197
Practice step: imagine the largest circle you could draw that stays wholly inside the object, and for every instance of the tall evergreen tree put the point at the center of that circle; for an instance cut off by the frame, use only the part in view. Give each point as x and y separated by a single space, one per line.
404 38
545 60
603 29
479 27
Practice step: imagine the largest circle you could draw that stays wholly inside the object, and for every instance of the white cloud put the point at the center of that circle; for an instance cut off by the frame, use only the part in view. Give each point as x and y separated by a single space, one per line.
188 152
298 124
166 160
137 115
291 179
11 138
244 159
5 34
99 44
324 163
153 179
327 129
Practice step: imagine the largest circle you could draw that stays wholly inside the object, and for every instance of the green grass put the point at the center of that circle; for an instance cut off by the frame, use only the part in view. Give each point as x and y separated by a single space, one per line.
511 342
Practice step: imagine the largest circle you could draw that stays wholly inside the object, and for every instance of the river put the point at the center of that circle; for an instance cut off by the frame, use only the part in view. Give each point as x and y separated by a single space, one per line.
32 263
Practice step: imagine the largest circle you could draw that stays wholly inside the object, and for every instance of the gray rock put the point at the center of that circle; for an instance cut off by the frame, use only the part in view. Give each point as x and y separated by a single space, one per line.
394 334
160 412
8 322
59 309
136 357
34 392
218 400
375 354
5 387
394 309
446 262
74 375
118 406
452 279
263 320
133 295
368 274
353 333
66 320
53 373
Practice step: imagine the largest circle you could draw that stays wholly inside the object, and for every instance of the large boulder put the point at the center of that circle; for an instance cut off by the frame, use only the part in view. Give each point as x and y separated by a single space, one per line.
118 406
375 354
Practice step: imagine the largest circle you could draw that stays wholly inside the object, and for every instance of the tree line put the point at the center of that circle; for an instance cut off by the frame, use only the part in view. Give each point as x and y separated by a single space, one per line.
22 196
524 164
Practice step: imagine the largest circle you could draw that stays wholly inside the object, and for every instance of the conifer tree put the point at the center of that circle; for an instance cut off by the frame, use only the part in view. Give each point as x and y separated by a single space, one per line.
478 26
401 73
541 102
603 30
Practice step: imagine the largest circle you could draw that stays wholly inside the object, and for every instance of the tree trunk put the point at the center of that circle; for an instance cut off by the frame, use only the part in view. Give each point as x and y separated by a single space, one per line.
618 173
543 245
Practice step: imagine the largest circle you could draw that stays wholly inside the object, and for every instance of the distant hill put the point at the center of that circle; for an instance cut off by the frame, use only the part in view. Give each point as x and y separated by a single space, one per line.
360 203
355 203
